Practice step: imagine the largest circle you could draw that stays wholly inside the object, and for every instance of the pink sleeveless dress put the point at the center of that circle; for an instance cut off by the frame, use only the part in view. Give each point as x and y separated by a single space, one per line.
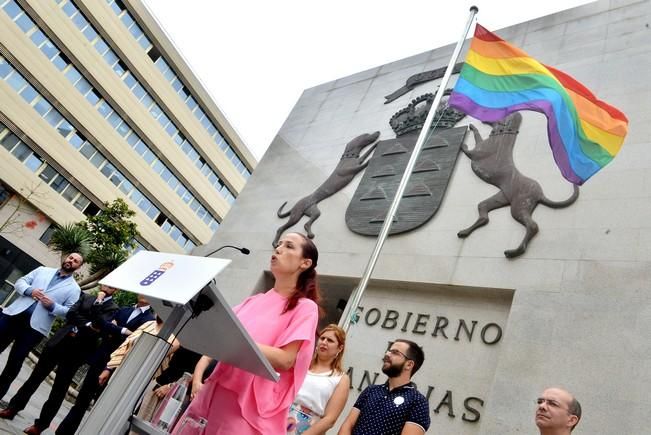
237 402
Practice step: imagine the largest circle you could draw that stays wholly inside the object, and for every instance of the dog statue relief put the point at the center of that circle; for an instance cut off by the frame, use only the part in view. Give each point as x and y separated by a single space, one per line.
492 161
351 164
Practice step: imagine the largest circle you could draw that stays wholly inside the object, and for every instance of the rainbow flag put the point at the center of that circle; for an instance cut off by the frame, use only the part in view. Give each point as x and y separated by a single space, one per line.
498 79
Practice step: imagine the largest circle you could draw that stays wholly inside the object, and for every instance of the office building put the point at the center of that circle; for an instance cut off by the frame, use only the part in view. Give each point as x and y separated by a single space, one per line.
96 104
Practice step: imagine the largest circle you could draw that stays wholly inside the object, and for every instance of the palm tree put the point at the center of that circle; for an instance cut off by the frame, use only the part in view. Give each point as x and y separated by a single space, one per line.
105 240
71 238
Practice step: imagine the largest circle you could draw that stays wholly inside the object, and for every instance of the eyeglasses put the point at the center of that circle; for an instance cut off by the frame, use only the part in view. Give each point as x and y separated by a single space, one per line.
550 402
396 352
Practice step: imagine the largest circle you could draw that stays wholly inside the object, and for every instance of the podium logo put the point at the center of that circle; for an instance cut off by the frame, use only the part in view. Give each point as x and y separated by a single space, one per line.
157 273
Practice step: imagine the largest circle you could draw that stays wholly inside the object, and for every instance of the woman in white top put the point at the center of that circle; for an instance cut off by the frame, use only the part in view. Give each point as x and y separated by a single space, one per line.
324 392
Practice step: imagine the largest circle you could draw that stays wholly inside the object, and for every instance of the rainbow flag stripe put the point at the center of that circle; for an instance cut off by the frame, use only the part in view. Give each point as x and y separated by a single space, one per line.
497 79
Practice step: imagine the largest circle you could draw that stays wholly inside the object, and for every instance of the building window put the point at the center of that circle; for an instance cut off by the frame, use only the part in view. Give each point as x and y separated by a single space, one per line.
53 117
92 210
47 234
177 85
5 195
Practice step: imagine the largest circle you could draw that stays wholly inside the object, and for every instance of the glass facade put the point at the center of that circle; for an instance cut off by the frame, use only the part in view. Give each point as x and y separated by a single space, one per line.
76 139
50 176
177 85
95 98
145 98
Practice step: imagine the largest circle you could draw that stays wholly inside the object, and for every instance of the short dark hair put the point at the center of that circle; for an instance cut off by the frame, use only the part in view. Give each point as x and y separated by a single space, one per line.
574 408
414 353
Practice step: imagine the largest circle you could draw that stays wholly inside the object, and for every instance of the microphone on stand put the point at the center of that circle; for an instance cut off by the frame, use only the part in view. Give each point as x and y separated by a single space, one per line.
203 302
244 251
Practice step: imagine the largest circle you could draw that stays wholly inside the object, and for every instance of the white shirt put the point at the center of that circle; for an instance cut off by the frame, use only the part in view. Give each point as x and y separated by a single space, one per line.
136 312
317 390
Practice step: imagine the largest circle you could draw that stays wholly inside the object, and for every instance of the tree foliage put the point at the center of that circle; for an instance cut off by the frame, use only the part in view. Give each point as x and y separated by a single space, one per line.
113 235
125 299
106 240
71 238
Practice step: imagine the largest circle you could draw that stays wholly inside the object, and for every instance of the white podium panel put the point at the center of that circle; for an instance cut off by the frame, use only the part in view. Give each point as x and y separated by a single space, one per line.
170 277
219 333
172 280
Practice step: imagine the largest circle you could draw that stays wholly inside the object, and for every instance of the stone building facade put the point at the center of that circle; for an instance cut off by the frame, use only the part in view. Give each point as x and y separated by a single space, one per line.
574 310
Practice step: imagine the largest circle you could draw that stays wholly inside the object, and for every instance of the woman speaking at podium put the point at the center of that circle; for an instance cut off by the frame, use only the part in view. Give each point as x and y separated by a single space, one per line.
283 323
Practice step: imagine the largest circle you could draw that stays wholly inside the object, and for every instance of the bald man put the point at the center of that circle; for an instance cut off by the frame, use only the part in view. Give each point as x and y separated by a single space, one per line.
557 412
43 294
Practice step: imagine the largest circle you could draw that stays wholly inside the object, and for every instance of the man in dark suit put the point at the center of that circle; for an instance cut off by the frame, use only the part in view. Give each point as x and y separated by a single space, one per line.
67 350
131 318
43 294
126 320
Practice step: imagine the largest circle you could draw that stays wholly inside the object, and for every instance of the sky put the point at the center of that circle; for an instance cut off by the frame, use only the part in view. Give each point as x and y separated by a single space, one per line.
255 57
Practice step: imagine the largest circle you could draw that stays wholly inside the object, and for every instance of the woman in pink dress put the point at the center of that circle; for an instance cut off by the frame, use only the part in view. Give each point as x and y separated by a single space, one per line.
283 323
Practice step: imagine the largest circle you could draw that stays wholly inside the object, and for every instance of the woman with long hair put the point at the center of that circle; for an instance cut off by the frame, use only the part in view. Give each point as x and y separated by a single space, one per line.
324 392
282 322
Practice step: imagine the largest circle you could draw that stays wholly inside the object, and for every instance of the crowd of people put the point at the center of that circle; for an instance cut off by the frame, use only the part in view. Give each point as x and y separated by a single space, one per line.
308 398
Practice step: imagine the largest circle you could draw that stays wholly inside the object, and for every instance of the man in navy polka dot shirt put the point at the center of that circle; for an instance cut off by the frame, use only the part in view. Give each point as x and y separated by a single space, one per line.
396 407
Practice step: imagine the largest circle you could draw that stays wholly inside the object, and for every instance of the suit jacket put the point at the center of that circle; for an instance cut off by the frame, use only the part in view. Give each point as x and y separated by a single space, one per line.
64 294
112 332
85 311
122 317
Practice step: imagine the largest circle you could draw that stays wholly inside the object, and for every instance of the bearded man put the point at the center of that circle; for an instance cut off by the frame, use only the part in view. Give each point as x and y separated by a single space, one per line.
43 294
395 407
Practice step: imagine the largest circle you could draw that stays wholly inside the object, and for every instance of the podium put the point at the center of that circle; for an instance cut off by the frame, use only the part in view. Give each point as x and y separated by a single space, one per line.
182 291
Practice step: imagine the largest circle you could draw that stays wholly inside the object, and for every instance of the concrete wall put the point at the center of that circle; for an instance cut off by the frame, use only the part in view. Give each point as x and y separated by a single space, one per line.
23 225
575 309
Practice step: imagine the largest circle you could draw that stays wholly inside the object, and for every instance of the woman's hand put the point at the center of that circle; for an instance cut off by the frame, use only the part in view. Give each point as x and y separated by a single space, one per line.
196 387
162 391
197 375
281 358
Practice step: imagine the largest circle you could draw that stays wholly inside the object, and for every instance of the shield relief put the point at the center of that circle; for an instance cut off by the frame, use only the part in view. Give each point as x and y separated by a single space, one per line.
367 210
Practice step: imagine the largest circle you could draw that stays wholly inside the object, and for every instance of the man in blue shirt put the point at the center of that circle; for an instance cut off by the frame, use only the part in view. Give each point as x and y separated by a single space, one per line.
43 294
396 407
66 351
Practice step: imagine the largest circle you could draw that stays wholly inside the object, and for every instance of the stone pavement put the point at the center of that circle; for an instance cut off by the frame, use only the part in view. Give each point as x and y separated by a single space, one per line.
27 416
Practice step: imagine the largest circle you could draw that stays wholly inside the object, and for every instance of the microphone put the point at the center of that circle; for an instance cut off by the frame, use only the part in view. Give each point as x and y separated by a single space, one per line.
244 251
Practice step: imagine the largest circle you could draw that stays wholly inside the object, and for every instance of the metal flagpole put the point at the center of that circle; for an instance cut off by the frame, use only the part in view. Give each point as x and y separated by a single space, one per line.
356 296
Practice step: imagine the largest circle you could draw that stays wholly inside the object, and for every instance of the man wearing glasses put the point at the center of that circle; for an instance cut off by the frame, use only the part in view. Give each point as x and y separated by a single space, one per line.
396 407
557 412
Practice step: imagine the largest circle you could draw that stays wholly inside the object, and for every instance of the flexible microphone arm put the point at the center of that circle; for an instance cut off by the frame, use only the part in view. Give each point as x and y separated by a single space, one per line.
242 250
203 302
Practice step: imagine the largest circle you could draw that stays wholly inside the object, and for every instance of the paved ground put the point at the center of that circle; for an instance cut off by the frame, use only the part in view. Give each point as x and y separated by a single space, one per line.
27 416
